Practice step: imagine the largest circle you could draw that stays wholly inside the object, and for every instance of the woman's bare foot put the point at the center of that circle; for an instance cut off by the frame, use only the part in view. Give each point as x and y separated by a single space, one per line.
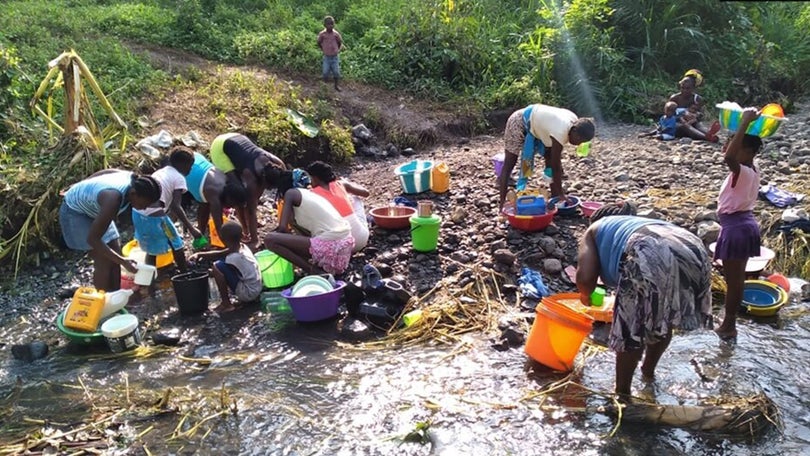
225 306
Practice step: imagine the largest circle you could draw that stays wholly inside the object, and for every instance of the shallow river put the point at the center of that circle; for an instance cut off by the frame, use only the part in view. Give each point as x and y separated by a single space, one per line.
298 392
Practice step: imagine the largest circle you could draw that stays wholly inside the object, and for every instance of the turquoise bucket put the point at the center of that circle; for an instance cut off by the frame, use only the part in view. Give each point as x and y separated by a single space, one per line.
415 176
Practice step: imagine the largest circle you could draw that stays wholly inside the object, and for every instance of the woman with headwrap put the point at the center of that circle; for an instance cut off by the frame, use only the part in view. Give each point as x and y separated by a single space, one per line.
690 109
87 218
662 276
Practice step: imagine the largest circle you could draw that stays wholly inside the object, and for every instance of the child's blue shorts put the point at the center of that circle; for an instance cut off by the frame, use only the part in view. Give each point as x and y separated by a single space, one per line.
156 235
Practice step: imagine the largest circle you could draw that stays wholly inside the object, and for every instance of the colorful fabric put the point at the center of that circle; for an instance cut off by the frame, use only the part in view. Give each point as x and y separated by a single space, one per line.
76 226
195 181
156 235
742 195
612 234
531 147
667 125
664 284
319 218
331 255
300 178
337 196
82 196
778 197
739 237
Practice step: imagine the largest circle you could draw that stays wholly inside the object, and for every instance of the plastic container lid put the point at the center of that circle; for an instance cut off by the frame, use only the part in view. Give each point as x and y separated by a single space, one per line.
120 325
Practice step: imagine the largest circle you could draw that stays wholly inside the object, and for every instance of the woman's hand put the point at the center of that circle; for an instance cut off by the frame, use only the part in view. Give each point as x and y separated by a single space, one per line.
749 115
130 265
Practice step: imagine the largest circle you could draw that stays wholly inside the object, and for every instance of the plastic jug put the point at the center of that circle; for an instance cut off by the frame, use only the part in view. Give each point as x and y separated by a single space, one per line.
530 205
115 301
84 312
440 178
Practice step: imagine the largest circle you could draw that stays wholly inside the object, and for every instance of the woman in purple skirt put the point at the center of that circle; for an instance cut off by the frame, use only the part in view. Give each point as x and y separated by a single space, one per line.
739 234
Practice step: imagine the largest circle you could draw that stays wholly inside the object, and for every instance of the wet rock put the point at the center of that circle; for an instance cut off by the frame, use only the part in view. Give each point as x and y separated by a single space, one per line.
29 352
497 245
535 258
513 337
168 338
504 256
354 329
708 231
460 257
67 291
552 266
551 230
621 177
547 244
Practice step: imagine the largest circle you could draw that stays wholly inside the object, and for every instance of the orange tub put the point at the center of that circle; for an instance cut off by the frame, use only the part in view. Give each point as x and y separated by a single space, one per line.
556 335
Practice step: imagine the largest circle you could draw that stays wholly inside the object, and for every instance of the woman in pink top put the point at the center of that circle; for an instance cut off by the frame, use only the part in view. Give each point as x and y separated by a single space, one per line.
340 194
739 234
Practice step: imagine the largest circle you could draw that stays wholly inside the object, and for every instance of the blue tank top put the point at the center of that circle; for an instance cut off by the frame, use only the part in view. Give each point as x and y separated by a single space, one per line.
612 234
83 195
195 181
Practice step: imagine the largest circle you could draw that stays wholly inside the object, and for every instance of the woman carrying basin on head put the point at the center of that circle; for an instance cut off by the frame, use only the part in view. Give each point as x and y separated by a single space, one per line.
662 276
87 218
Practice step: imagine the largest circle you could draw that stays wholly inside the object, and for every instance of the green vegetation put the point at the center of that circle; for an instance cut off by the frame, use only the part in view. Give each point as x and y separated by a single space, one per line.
608 58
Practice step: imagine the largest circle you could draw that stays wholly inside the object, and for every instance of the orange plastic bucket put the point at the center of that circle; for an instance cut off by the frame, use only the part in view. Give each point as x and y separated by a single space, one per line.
440 178
556 335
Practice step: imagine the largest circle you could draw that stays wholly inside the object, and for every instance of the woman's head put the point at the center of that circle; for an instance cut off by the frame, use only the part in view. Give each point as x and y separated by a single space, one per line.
181 158
280 179
618 208
581 131
687 85
143 191
321 172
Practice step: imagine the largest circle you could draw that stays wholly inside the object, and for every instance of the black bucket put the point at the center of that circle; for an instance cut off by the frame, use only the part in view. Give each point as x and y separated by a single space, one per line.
191 291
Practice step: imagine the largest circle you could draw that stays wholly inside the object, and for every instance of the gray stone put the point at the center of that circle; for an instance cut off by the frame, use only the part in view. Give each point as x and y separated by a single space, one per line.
504 256
30 352
622 177
458 215
461 257
708 231
552 266
706 215
650 213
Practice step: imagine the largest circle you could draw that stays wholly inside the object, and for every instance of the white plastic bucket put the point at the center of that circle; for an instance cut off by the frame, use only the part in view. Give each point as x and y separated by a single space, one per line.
121 332
145 274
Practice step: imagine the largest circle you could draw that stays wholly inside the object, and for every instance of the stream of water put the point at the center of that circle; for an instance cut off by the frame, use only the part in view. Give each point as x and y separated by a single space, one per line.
299 392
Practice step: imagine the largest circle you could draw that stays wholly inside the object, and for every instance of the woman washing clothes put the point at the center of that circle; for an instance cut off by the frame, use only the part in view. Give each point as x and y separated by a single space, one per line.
328 242
208 186
245 163
540 130
690 110
87 218
662 277
343 195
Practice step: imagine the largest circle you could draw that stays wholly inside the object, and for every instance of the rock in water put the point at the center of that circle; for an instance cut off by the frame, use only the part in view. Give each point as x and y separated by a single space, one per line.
30 352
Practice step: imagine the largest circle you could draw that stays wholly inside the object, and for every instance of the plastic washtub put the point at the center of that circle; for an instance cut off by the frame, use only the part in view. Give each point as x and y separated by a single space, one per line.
529 222
315 307
415 176
768 122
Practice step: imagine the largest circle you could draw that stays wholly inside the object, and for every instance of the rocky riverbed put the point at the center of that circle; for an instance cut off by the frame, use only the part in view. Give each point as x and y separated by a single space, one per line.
676 180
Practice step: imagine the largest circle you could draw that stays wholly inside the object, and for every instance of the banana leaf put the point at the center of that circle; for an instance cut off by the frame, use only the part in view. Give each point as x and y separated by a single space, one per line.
305 124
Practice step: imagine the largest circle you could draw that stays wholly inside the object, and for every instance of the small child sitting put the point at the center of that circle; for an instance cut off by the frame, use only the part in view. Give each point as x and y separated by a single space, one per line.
237 272
667 124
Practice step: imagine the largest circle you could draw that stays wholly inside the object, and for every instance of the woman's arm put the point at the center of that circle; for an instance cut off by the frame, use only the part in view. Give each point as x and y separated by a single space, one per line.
291 197
355 189
733 149
254 191
109 201
178 211
588 267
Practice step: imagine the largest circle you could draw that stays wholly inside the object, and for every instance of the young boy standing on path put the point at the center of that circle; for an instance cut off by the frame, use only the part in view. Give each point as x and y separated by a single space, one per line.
330 42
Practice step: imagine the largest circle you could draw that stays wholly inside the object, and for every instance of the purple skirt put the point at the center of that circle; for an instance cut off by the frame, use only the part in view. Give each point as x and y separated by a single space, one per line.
739 237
